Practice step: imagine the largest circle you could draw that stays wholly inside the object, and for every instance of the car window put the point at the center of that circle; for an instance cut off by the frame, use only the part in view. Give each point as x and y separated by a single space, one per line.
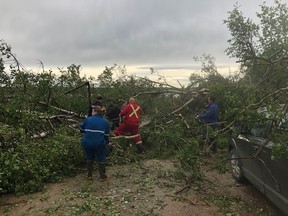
253 130
259 126
258 131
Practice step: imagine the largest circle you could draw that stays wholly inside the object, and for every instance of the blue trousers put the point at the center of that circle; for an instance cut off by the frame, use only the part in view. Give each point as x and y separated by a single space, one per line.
93 150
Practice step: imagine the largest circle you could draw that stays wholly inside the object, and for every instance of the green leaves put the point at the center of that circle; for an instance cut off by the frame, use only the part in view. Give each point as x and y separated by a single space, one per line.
242 31
189 158
261 48
27 166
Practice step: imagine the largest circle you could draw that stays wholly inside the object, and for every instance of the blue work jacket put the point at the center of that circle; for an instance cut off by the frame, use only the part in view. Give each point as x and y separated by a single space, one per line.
96 130
210 116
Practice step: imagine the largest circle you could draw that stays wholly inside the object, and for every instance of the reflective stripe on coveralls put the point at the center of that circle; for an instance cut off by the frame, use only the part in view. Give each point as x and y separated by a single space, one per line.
134 112
94 131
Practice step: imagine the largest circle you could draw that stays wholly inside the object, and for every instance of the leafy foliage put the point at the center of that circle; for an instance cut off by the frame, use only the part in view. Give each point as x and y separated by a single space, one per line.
33 104
189 158
27 165
261 48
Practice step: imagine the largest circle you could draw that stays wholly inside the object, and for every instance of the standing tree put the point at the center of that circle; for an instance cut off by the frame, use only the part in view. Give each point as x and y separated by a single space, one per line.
262 49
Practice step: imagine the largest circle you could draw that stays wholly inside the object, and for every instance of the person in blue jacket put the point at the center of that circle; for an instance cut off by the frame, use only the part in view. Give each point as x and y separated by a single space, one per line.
96 131
210 117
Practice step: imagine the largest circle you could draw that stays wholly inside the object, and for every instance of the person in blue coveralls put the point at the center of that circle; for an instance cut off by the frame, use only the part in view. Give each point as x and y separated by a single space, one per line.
96 131
210 117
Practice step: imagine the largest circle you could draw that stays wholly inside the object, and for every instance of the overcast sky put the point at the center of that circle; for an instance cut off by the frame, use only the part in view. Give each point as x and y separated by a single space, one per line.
99 33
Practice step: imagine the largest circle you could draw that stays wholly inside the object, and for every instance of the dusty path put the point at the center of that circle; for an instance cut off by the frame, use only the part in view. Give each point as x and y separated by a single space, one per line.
154 187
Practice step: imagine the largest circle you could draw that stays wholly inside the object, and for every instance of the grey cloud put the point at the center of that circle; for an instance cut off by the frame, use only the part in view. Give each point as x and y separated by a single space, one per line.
171 67
102 32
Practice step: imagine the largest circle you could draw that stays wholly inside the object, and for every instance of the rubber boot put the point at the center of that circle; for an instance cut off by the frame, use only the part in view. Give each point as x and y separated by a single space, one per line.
102 171
140 148
90 169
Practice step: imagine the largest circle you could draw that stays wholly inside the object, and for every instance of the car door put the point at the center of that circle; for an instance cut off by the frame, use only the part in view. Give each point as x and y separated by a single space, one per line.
275 177
251 141
247 146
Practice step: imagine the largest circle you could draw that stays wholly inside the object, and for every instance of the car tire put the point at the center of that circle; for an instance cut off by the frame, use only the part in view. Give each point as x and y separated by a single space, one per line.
236 166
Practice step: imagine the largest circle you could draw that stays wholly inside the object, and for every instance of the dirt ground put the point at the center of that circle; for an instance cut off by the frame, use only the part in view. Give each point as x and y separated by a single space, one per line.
149 187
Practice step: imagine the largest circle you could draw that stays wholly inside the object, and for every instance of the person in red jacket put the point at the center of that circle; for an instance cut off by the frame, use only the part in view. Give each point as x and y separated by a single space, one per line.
130 115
